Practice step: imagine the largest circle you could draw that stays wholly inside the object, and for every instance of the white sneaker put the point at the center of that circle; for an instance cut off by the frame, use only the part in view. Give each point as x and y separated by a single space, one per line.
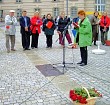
70 44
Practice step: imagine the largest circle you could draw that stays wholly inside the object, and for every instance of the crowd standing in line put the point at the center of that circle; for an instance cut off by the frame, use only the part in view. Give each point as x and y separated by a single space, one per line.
87 30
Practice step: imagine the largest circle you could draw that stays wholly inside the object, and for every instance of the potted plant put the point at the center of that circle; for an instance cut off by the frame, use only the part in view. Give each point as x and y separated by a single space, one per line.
83 96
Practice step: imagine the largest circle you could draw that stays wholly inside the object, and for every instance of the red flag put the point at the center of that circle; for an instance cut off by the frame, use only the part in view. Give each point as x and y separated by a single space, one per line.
49 24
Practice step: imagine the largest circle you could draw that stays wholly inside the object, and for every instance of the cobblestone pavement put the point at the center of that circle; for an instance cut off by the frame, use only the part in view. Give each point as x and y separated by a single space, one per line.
22 84
20 81
95 74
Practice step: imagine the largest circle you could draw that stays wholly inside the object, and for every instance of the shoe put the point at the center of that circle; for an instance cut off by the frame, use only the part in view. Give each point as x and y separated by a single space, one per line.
13 49
24 49
8 51
62 46
95 44
70 44
32 47
83 64
80 62
47 47
28 49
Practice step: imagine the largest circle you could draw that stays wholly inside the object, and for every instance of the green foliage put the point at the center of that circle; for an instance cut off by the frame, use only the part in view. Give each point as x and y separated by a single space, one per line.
84 94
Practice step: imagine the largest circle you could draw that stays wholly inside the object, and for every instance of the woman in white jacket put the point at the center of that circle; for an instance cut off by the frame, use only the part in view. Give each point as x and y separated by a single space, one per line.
10 30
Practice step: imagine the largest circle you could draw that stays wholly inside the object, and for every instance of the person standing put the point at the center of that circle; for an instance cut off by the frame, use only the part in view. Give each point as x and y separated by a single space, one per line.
25 30
10 30
104 27
62 23
95 27
35 27
49 27
85 36
43 18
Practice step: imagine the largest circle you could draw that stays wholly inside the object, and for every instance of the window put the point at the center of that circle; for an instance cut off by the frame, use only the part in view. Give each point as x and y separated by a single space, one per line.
18 1
74 12
100 5
1 13
19 13
38 9
56 12
37 0
55 0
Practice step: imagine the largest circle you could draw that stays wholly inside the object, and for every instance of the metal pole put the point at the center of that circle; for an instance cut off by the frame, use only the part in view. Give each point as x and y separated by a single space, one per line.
67 7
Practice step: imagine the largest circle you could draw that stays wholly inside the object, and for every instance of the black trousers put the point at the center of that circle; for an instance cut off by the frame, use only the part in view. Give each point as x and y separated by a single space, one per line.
34 42
84 54
49 40
26 40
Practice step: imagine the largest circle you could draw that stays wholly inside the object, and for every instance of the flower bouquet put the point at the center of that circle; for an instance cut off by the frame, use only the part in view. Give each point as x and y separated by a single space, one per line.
81 96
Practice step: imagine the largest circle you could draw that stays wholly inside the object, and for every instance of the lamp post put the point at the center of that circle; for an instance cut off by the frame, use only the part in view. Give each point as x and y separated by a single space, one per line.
67 7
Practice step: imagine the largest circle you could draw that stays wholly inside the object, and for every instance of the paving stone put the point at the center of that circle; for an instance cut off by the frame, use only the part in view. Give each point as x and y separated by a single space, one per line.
20 80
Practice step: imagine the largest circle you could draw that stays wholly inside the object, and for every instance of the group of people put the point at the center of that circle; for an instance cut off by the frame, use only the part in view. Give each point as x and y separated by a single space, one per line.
87 31
103 23
32 26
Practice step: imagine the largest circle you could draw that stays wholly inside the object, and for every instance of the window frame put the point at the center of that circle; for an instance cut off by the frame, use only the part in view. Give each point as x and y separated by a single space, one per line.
18 1
100 5
37 9
55 1
56 13
1 13
20 12
72 13
37 1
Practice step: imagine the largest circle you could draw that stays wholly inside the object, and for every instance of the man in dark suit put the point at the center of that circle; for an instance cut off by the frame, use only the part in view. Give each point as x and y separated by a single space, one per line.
25 30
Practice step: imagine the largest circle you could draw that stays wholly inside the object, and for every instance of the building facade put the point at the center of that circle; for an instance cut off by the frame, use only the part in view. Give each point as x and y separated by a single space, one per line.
52 6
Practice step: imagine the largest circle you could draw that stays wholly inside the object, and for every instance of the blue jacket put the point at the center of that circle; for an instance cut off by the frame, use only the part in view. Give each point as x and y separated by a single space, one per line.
22 24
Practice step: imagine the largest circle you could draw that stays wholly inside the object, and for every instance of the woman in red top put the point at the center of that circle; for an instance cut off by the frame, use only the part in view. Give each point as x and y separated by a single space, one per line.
35 27
104 27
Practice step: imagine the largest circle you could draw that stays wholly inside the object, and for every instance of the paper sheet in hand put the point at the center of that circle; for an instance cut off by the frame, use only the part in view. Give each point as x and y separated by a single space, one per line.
75 24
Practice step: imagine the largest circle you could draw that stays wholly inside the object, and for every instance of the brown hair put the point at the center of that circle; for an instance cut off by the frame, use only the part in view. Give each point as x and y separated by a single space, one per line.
48 14
24 11
82 12
96 12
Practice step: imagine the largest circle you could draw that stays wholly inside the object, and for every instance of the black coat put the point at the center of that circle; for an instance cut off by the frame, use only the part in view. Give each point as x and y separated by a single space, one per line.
46 30
22 24
62 23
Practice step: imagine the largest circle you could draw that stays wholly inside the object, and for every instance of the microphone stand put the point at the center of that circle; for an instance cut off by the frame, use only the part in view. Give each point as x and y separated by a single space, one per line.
63 39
